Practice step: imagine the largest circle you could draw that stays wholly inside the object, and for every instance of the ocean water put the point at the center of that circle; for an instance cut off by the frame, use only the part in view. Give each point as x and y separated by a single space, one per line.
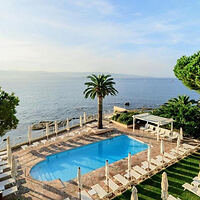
56 96
89 157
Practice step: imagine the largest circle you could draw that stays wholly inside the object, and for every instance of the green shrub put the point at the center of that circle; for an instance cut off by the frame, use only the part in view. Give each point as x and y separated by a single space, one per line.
125 117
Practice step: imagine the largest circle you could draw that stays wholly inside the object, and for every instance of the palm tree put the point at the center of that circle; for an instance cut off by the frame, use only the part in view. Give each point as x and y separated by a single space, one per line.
100 86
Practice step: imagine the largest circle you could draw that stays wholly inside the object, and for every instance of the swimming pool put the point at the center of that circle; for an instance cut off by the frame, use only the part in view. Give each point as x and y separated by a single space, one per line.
89 157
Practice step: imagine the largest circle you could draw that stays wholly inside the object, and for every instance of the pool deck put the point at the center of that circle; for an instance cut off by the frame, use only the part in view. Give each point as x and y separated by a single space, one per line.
30 188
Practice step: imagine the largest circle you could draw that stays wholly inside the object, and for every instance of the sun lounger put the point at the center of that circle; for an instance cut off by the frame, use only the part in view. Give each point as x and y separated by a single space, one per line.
53 139
145 166
3 153
177 152
4 157
144 127
3 167
7 182
170 197
10 191
163 158
195 183
156 162
43 141
140 170
3 163
35 144
121 179
100 191
112 185
191 188
5 174
133 174
188 146
85 195
168 155
156 131
24 147
67 198
151 128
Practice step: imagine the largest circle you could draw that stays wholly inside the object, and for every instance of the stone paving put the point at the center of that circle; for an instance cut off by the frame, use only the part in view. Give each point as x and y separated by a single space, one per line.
57 190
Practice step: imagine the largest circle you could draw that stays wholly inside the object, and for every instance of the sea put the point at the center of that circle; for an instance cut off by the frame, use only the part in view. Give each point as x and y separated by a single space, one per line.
57 96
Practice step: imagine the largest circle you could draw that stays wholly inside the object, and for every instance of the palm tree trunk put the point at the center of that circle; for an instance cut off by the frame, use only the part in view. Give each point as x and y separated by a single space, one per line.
100 110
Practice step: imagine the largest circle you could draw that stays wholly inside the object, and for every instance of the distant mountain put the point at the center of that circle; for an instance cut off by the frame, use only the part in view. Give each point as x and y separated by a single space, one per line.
7 75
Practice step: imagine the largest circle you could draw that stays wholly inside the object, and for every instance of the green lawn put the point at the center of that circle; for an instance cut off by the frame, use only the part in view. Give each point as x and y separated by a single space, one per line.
178 174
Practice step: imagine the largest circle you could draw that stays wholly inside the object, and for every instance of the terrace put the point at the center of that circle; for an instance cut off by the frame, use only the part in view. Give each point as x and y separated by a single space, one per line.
30 188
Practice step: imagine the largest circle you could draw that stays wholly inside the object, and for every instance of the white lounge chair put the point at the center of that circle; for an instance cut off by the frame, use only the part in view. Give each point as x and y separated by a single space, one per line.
188 146
176 151
121 179
3 167
170 197
156 131
3 162
43 141
140 170
145 165
191 188
100 191
163 158
85 195
5 174
151 128
133 174
3 153
24 147
112 185
169 155
156 162
35 144
10 191
146 126
7 182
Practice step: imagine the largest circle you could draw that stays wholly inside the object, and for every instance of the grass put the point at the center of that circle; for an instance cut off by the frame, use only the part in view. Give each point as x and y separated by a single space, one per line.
179 173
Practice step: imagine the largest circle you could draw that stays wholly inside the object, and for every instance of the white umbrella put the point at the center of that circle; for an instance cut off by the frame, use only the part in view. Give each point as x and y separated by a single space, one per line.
79 182
81 124
13 167
178 142
164 186
162 148
9 151
134 195
56 127
29 134
157 136
129 164
107 173
67 124
149 155
181 133
84 118
47 130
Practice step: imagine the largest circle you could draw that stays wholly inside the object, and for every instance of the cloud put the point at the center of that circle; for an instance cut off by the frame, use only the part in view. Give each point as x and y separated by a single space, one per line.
101 6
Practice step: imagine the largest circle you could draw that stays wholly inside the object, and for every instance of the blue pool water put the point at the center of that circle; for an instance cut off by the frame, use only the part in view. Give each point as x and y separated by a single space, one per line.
89 157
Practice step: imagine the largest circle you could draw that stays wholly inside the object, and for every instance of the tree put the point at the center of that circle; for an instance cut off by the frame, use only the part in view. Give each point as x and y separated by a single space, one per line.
187 69
184 111
8 103
100 86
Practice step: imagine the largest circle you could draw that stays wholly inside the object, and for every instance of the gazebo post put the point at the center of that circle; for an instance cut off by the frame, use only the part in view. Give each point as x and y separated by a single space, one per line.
133 123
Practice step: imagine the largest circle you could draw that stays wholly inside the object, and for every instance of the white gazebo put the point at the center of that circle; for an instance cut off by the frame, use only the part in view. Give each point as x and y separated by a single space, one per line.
149 118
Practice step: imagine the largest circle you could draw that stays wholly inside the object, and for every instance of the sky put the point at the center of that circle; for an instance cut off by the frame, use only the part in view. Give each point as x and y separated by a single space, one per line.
141 37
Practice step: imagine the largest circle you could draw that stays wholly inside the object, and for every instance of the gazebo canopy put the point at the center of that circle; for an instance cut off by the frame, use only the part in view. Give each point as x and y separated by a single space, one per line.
153 119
